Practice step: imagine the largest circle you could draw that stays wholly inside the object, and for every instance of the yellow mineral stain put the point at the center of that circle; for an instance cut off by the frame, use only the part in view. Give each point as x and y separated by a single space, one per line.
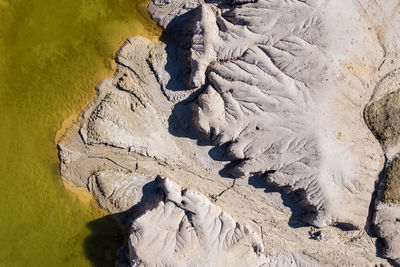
82 194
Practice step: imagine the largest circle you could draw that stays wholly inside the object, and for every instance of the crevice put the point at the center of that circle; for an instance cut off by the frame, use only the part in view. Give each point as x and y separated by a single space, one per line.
157 79
111 160
214 197
261 229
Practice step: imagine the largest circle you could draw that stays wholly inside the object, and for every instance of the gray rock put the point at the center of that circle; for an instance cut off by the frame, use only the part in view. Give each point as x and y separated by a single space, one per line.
274 88
382 114
118 190
115 169
387 225
188 230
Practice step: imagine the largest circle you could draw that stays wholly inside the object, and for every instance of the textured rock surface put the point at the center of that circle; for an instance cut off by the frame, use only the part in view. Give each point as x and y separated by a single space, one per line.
382 116
382 113
119 190
104 166
188 230
387 223
274 87
392 182
279 89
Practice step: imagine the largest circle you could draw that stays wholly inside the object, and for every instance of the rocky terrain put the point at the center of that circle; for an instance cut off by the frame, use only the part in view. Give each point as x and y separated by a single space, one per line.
274 124
382 115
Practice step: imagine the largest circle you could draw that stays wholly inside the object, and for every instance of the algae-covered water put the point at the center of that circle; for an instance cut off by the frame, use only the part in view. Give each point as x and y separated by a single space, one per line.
52 53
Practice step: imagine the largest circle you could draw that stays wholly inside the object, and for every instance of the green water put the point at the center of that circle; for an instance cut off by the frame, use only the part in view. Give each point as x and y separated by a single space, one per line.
52 53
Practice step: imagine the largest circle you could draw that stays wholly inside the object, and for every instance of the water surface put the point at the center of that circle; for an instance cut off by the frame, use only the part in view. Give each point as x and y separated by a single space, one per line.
52 53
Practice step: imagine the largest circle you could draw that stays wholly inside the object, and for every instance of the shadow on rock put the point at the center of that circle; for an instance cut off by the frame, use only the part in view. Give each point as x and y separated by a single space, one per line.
107 244
371 229
178 39
105 239
289 200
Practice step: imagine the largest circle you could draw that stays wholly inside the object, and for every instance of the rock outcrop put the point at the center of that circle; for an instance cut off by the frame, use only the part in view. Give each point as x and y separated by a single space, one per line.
387 224
189 230
276 92
382 116
287 101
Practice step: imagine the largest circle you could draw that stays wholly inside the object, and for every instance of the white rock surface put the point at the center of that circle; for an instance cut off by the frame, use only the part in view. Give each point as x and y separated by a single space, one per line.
188 230
288 96
278 86
118 190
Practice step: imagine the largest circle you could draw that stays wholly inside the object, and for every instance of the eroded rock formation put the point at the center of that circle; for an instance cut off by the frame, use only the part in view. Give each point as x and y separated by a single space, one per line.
278 90
192 231
288 95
